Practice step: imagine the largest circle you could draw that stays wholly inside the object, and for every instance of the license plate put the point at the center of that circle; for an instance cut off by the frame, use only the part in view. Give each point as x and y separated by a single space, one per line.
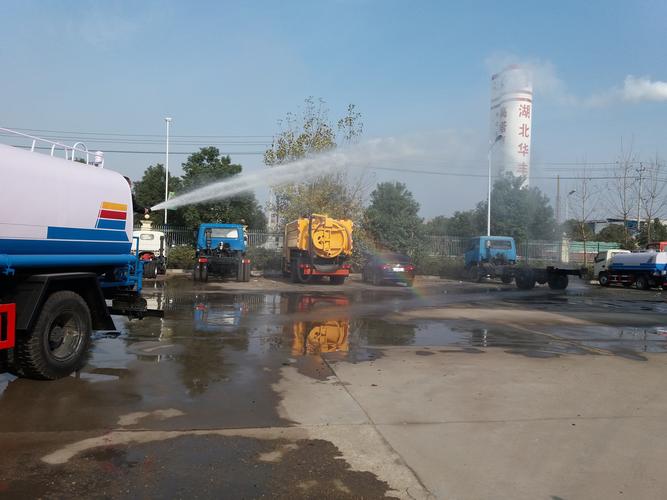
398 269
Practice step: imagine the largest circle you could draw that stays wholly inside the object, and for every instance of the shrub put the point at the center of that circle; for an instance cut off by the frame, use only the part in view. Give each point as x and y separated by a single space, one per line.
265 259
181 257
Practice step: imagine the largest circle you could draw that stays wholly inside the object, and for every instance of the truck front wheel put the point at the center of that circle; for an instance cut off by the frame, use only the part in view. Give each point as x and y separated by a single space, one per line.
59 341
603 278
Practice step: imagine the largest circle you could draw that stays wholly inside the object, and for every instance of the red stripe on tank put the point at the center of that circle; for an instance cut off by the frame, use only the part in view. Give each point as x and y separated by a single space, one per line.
111 214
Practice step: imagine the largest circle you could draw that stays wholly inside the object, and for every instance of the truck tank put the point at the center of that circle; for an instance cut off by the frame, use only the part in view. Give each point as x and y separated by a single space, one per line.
55 212
330 237
638 261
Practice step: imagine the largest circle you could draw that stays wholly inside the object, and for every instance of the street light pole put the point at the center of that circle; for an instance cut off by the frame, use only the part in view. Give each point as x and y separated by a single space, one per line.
166 170
488 197
567 204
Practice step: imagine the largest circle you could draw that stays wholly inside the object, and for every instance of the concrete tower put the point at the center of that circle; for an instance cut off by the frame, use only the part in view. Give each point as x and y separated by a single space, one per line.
511 118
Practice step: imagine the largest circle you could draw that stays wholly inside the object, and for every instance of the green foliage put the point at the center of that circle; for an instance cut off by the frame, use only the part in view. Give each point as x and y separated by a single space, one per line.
392 218
206 167
613 233
182 257
265 259
518 212
574 230
658 233
149 191
310 133
515 211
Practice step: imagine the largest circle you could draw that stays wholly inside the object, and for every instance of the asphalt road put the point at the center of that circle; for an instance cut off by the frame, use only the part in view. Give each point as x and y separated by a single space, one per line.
270 389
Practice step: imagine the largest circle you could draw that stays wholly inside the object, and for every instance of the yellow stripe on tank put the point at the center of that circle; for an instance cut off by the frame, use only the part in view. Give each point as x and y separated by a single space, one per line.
114 206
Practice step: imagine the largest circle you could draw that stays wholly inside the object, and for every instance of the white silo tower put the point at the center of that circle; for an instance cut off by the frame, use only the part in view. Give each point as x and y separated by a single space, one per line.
511 118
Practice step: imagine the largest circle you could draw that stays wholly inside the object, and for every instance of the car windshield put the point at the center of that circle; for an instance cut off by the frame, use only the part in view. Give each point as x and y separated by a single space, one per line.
231 233
394 257
501 244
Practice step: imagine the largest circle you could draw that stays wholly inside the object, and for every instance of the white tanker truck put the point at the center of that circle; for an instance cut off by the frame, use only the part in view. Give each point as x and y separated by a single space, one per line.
65 249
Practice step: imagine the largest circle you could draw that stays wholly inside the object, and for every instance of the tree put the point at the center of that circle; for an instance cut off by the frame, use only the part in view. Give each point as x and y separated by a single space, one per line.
523 213
149 191
658 233
613 233
620 190
207 167
311 133
653 199
392 218
437 226
583 209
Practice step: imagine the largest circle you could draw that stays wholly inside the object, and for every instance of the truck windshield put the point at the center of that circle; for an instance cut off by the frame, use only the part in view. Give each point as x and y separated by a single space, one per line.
225 232
501 244
147 237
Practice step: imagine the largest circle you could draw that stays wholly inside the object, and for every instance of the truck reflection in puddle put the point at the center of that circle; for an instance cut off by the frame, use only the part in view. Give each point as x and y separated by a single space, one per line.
322 334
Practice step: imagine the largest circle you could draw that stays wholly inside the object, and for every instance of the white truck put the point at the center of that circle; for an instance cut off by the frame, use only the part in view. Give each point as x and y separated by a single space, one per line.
641 269
601 264
152 249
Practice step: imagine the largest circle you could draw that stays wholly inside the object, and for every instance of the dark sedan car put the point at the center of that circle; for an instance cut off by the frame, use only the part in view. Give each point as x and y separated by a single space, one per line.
393 267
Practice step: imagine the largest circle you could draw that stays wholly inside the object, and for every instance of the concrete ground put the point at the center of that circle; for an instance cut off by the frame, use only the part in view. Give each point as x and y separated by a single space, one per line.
270 389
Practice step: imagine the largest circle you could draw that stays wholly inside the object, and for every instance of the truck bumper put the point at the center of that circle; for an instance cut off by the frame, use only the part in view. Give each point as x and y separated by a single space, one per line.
7 326
307 270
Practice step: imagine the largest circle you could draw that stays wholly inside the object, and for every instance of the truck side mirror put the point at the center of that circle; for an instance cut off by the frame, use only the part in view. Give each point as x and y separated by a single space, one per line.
487 244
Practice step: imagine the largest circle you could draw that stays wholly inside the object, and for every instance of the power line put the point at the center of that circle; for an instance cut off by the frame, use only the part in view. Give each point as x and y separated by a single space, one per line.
135 135
120 151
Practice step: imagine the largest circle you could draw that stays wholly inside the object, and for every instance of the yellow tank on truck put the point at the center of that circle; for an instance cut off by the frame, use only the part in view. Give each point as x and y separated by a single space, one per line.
60 212
330 237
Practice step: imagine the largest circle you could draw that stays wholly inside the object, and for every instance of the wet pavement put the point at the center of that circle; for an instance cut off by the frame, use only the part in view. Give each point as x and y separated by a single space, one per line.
268 389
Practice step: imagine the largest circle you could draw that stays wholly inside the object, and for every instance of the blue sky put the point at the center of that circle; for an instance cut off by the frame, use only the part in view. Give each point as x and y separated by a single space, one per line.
236 68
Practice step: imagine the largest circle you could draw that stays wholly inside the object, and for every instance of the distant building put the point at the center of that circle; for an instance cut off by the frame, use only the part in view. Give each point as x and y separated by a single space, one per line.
511 120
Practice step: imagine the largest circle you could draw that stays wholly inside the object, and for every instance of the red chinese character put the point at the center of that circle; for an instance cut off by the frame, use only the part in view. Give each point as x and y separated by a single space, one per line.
523 149
523 130
522 169
503 127
524 110
503 112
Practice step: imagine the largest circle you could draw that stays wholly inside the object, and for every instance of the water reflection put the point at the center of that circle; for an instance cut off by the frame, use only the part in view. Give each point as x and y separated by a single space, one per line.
325 334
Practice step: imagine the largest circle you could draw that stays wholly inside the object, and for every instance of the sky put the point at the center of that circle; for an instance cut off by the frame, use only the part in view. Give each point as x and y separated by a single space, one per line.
232 70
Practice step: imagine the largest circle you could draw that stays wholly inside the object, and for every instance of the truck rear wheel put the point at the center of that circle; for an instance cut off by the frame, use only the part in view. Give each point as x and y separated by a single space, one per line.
337 280
150 269
243 271
58 343
525 280
642 282
558 281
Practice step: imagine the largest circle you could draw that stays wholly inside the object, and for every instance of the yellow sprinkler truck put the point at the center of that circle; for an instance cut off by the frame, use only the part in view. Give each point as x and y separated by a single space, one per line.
317 246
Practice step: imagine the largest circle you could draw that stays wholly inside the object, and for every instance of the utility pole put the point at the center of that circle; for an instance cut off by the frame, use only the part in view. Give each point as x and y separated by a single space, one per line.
640 170
558 200
488 199
166 170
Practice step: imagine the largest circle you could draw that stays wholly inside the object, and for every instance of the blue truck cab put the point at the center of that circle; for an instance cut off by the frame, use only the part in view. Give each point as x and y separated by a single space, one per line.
490 249
221 250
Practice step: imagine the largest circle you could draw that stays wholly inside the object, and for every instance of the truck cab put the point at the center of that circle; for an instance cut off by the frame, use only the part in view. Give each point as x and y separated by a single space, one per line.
152 249
491 250
221 250
601 264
